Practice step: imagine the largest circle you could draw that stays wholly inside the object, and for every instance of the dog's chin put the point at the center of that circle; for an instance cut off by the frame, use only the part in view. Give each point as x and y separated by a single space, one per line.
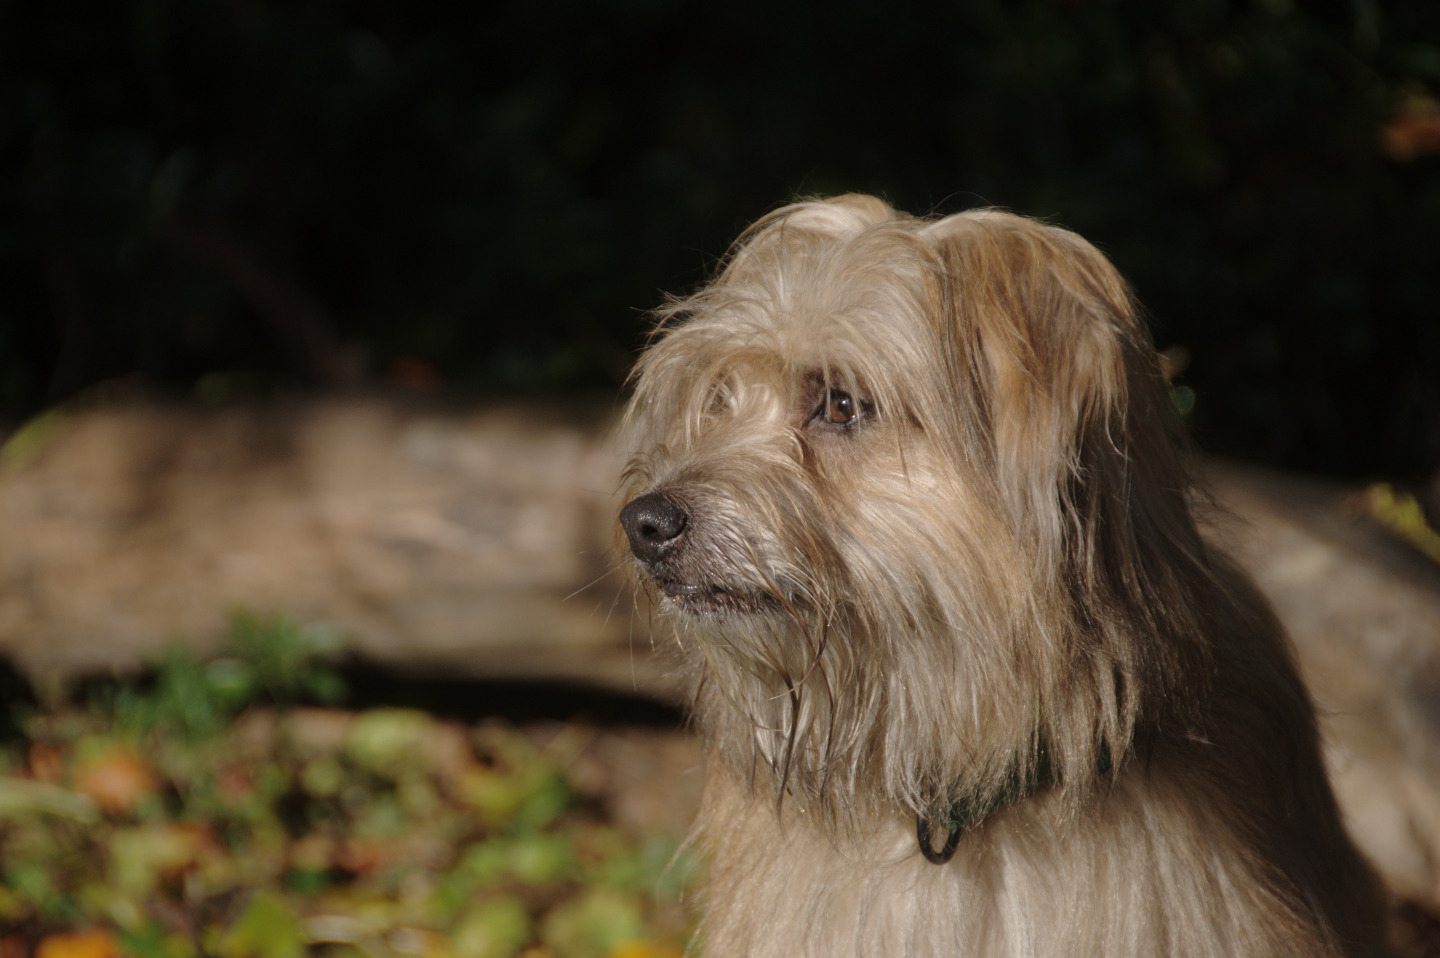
710 600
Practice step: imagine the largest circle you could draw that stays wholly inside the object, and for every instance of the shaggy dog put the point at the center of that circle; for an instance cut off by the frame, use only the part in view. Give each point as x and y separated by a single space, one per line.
912 494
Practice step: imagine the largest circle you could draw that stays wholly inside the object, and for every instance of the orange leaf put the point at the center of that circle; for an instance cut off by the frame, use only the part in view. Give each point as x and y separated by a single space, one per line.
1413 130
640 949
94 943
46 763
117 780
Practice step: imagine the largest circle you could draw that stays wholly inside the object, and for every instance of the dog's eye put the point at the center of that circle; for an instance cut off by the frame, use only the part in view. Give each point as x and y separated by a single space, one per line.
840 409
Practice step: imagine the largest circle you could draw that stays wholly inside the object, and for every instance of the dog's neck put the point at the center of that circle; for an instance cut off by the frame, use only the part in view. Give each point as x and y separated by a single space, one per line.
969 811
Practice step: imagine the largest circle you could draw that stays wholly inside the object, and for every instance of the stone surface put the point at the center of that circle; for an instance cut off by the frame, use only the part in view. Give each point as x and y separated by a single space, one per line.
469 541
1364 614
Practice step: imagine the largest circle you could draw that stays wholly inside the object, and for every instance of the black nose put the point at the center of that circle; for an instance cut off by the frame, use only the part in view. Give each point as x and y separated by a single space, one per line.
653 524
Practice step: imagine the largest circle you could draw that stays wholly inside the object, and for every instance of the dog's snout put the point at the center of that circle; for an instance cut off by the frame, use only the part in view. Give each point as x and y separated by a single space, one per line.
653 525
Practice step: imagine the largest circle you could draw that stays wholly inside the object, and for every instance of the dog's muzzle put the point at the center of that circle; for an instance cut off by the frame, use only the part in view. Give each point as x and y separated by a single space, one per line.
653 524
658 528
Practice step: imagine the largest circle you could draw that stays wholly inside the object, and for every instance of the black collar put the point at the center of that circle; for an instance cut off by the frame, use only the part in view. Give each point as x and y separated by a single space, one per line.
968 811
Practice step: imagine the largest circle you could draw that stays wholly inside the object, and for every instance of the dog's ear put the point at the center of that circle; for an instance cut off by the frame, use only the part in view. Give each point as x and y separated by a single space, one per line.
1088 456
1085 442
1045 323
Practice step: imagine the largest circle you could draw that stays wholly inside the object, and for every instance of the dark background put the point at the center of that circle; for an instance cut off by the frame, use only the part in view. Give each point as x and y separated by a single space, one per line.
210 199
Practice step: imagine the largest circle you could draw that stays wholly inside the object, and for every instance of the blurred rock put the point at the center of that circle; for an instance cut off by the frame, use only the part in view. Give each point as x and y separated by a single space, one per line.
465 541
1364 613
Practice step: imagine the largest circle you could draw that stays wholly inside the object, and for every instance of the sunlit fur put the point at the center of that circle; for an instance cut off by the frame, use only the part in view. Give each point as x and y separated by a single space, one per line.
996 561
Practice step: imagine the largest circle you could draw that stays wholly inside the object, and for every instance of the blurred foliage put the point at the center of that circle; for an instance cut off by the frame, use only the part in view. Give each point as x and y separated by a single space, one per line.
1402 515
207 812
485 195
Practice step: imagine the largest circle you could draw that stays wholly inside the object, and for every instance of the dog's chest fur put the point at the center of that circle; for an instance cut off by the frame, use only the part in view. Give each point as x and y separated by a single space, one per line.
1137 876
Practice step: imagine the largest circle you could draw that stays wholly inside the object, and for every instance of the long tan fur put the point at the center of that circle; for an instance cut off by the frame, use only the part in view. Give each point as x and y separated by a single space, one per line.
913 498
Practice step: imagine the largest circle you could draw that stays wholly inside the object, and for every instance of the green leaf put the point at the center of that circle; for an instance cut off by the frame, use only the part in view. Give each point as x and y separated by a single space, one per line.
21 796
497 929
285 658
265 929
541 859
593 925
387 741
26 443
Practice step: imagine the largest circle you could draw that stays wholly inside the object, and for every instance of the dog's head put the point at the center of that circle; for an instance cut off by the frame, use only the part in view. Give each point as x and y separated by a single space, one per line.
905 483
